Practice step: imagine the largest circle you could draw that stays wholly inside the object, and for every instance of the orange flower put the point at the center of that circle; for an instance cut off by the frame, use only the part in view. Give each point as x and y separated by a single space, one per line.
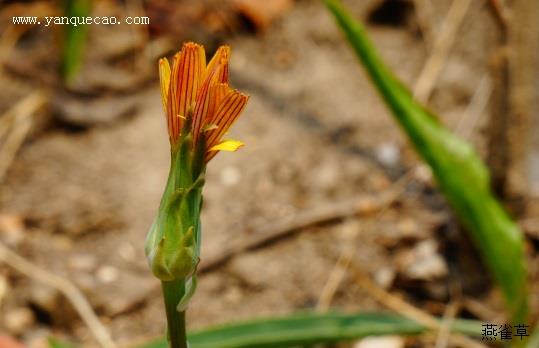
198 93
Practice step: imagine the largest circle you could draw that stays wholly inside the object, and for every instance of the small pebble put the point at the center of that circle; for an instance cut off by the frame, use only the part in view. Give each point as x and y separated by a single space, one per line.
107 274
11 228
385 277
18 320
388 154
230 176
381 342
423 262
423 174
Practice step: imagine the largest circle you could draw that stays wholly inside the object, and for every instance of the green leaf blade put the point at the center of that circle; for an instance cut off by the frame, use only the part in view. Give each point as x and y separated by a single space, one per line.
311 328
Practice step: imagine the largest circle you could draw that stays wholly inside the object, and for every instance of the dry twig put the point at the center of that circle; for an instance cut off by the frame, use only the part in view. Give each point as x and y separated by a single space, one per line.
451 311
442 46
71 292
21 117
8 40
471 116
500 12
423 10
480 310
335 278
406 309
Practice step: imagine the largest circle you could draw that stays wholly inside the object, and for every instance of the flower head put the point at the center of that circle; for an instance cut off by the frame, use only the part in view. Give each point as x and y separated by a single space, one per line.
197 99
200 107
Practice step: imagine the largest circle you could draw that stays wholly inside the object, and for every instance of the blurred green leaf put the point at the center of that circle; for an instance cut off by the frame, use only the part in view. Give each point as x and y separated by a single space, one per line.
74 37
534 338
461 175
56 343
310 328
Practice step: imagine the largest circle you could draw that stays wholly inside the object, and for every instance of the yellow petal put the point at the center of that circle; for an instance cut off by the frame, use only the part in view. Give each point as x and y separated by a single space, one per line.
227 145
164 78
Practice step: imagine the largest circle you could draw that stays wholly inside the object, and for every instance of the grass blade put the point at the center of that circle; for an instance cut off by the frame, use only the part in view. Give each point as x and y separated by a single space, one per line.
460 173
74 37
310 328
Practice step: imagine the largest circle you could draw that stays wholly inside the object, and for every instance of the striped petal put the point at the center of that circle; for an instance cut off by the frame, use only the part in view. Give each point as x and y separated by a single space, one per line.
218 93
200 94
228 111
216 73
221 57
187 73
164 79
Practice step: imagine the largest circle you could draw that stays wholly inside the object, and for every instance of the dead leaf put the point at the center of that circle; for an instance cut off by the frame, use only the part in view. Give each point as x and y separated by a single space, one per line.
9 342
262 13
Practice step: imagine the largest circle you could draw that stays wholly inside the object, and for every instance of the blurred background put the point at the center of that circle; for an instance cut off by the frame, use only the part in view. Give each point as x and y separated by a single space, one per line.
326 174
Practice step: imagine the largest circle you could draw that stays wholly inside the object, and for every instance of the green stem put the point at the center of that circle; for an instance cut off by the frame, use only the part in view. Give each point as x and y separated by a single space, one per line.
173 292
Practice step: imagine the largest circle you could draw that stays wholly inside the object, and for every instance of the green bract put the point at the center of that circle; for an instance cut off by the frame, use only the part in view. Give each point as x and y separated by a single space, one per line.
173 242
